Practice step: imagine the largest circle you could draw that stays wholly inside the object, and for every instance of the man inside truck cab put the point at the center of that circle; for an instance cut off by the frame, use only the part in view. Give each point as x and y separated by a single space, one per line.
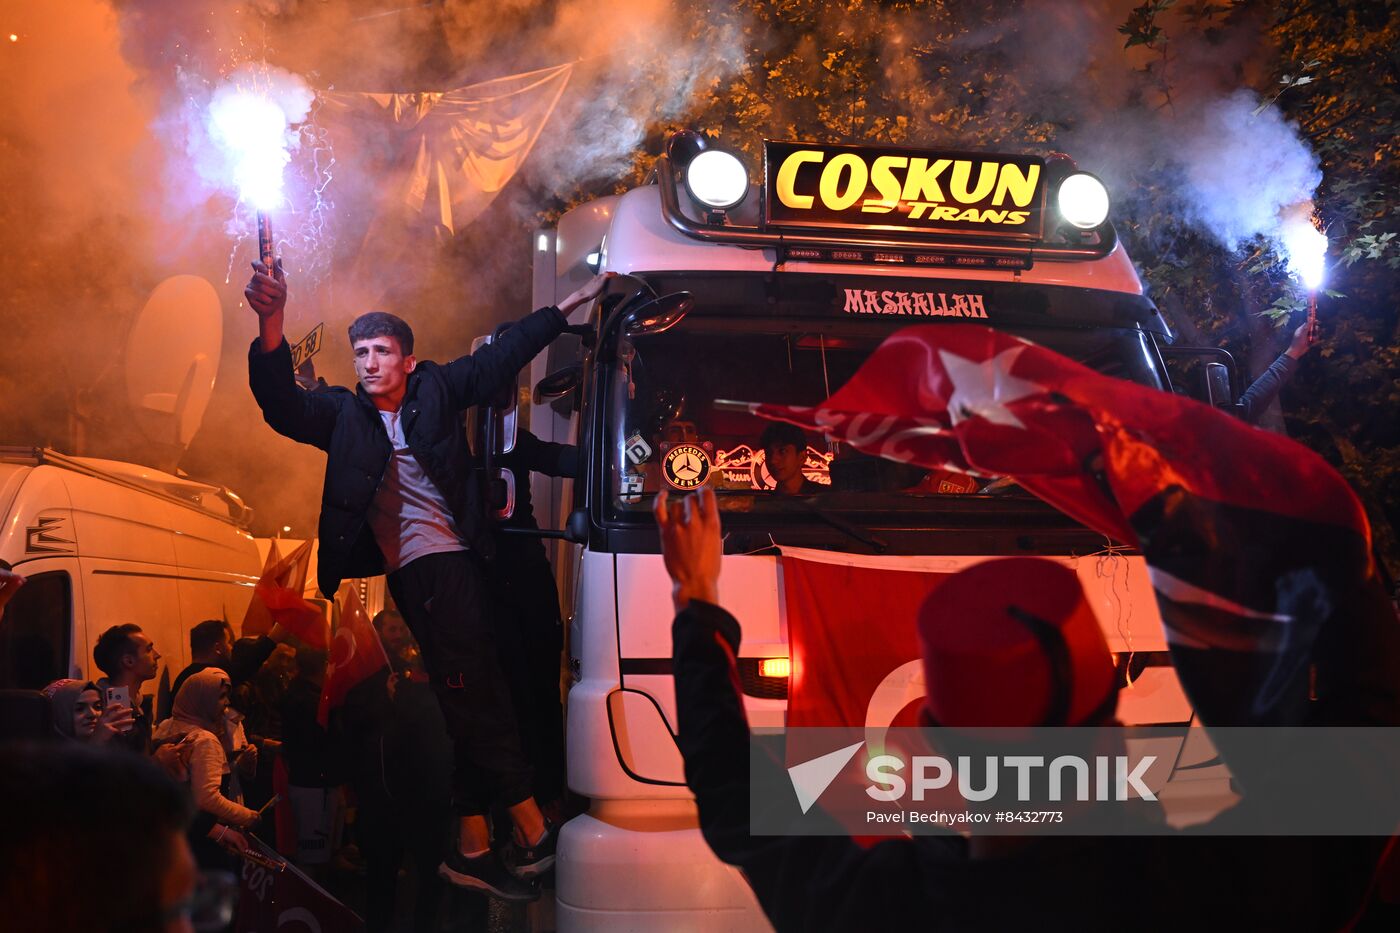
784 451
401 497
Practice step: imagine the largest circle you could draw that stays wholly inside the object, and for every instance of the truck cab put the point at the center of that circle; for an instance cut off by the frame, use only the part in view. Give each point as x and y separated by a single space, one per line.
774 283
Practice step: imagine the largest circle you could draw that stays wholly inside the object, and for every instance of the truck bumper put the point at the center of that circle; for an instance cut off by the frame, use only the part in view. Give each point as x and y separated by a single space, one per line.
644 866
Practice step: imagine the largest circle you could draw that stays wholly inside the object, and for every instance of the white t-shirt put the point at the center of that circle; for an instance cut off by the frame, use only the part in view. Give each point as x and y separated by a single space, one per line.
408 516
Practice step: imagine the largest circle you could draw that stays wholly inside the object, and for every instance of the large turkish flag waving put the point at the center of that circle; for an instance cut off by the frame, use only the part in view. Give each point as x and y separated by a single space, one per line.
1258 550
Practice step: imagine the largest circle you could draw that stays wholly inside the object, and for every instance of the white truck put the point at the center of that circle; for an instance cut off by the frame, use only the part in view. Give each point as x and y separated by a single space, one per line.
774 286
103 542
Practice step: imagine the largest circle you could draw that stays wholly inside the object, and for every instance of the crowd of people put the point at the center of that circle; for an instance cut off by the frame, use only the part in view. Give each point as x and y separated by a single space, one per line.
462 731
240 737
464 725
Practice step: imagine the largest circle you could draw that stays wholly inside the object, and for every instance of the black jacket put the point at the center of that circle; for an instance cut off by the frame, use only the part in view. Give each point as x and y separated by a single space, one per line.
347 426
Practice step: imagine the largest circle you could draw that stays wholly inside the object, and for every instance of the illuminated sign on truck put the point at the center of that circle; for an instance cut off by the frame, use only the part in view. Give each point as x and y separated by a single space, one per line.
811 185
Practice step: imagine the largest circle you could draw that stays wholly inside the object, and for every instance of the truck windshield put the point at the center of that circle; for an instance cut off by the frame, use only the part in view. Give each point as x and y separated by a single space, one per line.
760 339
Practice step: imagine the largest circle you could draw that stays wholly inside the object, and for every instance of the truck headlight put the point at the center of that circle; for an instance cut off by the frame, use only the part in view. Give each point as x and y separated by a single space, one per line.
717 179
1083 201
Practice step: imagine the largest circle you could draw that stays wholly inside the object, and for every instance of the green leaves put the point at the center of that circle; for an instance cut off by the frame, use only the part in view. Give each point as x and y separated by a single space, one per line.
1141 26
1373 246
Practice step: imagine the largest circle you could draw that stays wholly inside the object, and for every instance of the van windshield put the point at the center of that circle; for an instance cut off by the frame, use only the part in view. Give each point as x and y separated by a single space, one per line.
742 341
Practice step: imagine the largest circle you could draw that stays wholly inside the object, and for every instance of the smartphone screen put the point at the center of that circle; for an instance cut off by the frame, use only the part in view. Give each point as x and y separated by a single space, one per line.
120 695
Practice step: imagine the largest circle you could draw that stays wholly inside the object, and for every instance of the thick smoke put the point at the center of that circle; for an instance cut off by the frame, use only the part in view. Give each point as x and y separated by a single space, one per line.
247 136
1178 126
117 183
102 144
1243 172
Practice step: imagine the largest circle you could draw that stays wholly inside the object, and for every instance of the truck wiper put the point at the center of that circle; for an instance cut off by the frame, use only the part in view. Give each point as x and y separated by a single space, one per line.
878 545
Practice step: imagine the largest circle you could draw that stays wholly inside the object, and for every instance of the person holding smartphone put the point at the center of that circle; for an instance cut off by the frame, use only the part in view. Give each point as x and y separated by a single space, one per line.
129 659
78 713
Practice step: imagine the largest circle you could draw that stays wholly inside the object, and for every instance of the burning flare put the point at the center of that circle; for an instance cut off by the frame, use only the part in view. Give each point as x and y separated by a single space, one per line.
1304 246
251 117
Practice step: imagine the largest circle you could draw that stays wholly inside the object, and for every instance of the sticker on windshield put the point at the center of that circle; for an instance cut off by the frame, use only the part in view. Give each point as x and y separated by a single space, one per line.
638 451
914 304
686 466
631 486
743 467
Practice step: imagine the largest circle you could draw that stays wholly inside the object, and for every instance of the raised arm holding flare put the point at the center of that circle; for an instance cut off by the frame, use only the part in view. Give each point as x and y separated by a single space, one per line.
400 498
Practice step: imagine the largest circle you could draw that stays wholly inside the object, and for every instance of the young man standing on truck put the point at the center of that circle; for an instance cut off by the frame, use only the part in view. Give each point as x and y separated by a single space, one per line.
401 497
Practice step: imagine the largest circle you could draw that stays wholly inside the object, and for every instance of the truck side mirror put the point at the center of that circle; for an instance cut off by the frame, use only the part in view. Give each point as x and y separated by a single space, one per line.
559 383
658 315
1206 374
576 527
1216 388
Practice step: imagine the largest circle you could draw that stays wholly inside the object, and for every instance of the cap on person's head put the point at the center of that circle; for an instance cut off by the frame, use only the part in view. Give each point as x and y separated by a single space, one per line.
1013 643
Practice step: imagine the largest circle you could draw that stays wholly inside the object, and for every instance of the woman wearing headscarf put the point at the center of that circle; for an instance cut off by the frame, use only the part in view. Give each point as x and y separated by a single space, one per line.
78 713
197 723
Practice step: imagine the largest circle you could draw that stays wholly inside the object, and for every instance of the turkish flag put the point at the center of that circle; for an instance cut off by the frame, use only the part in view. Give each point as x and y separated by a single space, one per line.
850 666
356 653
1258 550
277 599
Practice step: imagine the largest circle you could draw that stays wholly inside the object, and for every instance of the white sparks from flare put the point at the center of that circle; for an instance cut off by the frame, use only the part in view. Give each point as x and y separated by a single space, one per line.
251 117
1304 246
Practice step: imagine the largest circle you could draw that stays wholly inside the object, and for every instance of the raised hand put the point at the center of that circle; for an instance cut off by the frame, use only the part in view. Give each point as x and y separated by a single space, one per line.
267 293
586 292
691 545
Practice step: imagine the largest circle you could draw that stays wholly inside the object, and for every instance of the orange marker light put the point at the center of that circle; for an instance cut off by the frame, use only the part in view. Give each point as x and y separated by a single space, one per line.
775 667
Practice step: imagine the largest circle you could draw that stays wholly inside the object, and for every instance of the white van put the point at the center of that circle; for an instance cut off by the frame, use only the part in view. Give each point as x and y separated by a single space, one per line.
102 543
774 284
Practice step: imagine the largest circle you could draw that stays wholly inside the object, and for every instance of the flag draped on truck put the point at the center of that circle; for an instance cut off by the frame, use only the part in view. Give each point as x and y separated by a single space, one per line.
1259 552
850 668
